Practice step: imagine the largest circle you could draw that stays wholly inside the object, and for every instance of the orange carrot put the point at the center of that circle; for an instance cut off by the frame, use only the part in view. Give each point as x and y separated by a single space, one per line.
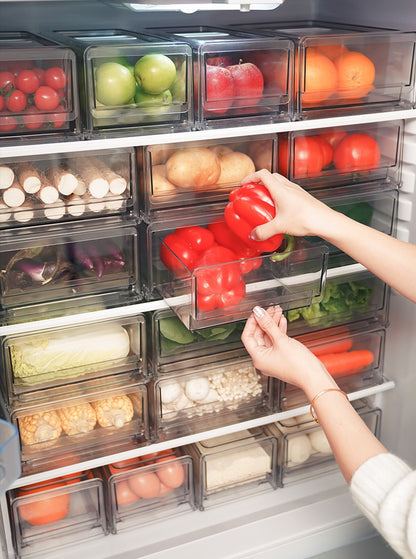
348 362
336 346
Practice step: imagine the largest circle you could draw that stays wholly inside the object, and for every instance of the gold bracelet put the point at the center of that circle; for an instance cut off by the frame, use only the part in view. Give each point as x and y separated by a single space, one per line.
311 408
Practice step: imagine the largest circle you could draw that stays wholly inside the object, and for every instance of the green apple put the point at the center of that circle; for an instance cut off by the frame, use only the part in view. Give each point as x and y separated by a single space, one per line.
123 60
115 85
153 103
154 73
178 88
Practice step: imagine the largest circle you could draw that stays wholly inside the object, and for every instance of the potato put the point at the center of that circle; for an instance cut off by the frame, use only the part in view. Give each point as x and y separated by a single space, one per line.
161 185
261 152
220 150
161 153
234 167
193 168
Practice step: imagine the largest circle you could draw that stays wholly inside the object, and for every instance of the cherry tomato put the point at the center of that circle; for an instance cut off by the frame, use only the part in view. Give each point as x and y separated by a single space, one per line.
27 81
59 118
40 72
55 78
7 82
144 484
33 119
7 123
16 102
46 98
357 152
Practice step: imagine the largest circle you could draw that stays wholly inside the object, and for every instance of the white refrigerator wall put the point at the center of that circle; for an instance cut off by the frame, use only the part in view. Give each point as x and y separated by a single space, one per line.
317 516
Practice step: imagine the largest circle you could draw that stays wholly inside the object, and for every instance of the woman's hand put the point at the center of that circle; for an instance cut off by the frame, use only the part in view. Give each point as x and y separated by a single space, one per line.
298 213
275 354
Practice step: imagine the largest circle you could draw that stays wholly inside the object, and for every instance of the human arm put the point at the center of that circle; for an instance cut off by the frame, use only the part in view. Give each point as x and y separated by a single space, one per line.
299 213
275 354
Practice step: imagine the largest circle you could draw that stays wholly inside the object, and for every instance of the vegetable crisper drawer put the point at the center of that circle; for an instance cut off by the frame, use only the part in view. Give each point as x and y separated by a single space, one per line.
39 88
177 175
87 421
148 489
199 398
172 342
41 362
304 451
350 297
344 69
234 82
343 155
59 513
223 290
353 357
50 188
9 455
132 82
233 466
63 262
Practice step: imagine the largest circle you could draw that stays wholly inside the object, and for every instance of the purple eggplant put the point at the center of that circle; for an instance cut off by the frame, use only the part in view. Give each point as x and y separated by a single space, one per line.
38 272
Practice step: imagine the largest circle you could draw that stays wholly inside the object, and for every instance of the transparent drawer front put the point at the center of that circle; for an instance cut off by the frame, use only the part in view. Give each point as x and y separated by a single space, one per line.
304 450
238 78
206 397
149 489
9 455
40 362
233 466
152 80
45 263
83 422
342 155
348 298
50 188
189 174
58 513
41 95
172 342
215 287
344 69
355 359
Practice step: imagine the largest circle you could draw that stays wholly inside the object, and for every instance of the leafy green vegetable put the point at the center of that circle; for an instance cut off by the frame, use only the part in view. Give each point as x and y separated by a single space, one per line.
217 332
173 329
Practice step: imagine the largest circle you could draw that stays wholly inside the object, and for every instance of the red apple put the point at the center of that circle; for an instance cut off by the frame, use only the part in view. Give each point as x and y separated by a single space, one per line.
220 91
274 67
220 60
248 83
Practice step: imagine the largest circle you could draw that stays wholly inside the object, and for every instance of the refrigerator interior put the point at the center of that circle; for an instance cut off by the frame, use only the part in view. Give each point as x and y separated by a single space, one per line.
317 515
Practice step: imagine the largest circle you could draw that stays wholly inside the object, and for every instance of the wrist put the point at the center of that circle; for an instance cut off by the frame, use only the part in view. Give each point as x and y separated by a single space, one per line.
316 380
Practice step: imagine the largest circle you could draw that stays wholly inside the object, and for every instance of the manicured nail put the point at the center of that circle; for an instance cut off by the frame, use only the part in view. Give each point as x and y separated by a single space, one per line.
259 312
253 235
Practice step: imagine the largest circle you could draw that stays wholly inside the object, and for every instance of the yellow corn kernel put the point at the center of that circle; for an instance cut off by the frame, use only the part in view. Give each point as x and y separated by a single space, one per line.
39 427
78 419
114 412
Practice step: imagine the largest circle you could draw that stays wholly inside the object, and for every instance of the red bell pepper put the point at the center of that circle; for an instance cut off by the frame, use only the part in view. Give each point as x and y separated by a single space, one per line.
219 285
226 238
181 250
251 205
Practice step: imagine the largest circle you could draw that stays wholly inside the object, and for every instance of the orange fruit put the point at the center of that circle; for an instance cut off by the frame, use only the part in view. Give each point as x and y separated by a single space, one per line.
46 509
319 78
356 74
332 51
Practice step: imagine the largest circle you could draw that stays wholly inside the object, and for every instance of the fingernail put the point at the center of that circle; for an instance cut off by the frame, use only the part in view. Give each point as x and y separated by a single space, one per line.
253 235
259 312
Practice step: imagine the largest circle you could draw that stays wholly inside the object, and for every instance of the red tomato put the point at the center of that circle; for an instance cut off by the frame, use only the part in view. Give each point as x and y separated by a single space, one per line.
55 78
357 152
16 102
2 103
33 119
40 72
124 494
171 474
7 82
327 150
7 123
27 81
46 98
308 157
144 484
333 138
59 118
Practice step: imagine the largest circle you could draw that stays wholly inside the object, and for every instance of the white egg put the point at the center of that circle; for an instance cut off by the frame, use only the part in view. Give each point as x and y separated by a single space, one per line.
197 389
298 449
